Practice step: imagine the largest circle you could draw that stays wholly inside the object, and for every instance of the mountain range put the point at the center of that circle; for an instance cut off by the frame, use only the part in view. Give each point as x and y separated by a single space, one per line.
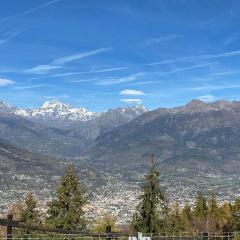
197 136
58 129
196 145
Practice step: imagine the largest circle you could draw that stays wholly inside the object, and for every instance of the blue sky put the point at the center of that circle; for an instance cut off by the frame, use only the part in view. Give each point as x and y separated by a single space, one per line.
109 53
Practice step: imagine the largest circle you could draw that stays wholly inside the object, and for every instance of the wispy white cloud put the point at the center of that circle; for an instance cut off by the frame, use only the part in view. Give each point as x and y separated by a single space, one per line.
131 100
93 71
130 78
42 69
207 98
231 38
181 69
214 87
141 83
5 82
30 10
64 96
70 58
225 73
60 62
161 39
84 80
30 87
203 57
6 36
131 92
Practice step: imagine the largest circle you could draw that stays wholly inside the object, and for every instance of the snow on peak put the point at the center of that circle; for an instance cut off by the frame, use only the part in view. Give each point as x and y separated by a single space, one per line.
56 104
61 111
55 110
5 107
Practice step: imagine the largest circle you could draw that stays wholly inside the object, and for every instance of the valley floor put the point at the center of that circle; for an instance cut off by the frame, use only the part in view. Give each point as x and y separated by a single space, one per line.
119 197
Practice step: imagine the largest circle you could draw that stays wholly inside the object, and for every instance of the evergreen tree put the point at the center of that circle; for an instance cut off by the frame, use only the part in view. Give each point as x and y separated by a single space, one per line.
29 214
175 220
152 207
200 209
66 212
215 215
226 215
200 213
186 218
234 222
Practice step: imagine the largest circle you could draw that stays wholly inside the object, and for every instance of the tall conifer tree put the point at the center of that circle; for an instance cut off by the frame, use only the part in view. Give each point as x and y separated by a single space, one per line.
200 213
186 218
29 214
152 206
66 212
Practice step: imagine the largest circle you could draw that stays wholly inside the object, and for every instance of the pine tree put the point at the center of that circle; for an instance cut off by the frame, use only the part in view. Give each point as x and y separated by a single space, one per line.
214 215
29 214
175 220
152 206
186 218
200 208
66 211
200 213
235 221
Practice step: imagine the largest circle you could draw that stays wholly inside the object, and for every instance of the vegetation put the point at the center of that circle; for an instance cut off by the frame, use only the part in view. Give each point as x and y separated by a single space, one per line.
29 214
153 213
66 211
152 205
102 223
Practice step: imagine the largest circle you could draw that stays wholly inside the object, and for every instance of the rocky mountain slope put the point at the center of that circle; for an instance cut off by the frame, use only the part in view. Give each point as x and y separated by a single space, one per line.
59 129
195 136
37 137
51 112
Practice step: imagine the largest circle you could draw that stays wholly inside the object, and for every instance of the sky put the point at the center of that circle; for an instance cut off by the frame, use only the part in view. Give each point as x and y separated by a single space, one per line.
105 54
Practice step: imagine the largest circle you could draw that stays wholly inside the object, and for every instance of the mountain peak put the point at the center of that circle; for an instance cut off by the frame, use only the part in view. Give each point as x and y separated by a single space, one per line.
56 104
5 107
222 103
196 104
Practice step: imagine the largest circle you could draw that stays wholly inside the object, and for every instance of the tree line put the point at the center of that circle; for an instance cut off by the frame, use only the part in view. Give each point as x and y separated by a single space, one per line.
153 213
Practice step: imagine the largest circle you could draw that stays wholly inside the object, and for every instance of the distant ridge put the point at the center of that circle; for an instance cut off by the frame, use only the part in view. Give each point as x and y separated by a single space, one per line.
196 136
56 110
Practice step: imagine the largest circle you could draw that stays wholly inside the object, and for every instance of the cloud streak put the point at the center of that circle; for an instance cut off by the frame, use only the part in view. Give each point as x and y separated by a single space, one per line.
131 100
7 36
203 57
42 69
70 58
113 81
207 98
60 62
30 10
214 87
131 92
30 87
161 39
93 71
184 69
5 82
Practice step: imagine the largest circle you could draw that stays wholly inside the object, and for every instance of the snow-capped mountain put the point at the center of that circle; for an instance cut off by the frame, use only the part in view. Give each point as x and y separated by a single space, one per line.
53 124
55 110
58 112
6 108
